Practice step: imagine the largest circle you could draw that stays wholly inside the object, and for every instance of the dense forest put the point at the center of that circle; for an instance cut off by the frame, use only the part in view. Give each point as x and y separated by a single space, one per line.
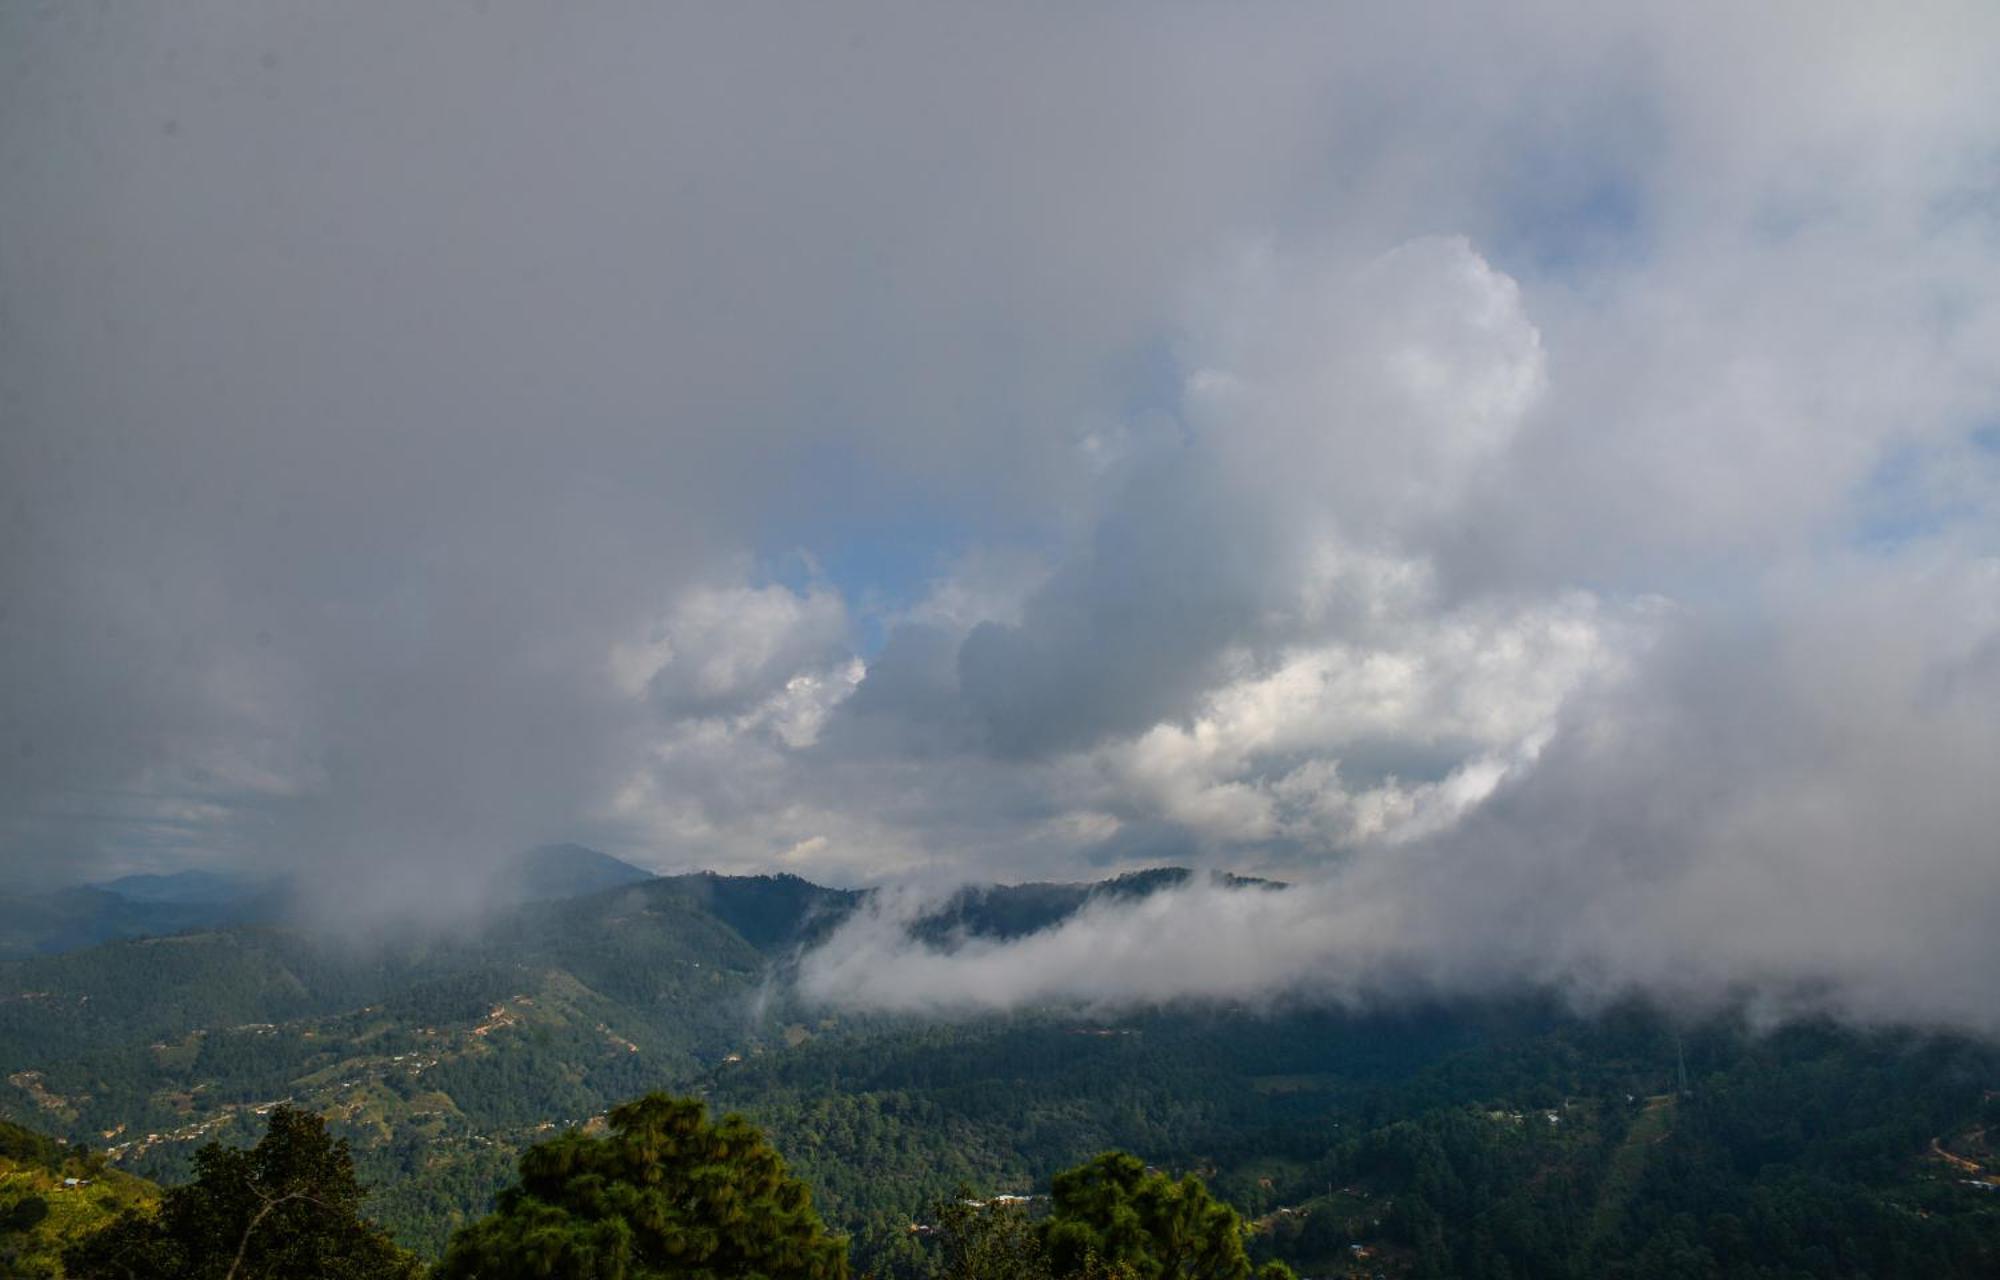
1503 1139
1477 1143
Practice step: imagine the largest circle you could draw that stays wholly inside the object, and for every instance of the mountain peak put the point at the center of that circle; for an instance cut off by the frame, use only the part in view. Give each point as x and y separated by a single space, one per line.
566 871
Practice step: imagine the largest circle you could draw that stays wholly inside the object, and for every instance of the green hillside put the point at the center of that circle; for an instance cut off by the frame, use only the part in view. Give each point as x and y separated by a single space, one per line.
439 1059
1506 1138
51 1196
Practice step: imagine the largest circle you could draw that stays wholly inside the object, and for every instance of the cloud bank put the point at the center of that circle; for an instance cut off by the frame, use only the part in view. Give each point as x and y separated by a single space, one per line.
1713 830
1529 479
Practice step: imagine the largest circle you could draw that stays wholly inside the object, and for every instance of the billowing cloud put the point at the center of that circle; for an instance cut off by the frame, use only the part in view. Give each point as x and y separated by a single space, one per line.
1331 405
720 650
1789 813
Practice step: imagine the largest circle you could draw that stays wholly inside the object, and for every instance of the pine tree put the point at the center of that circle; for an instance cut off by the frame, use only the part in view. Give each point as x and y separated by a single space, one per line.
667 1192
1112 1213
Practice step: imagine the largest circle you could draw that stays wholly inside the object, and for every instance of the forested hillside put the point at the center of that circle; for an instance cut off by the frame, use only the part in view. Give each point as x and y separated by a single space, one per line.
1488 1142
1500 1139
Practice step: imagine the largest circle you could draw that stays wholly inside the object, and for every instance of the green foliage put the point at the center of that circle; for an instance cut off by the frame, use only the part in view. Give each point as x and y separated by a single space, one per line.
1111 1219
23 1146
976 1239
287 1208
53 1195
666 1193
1114 1210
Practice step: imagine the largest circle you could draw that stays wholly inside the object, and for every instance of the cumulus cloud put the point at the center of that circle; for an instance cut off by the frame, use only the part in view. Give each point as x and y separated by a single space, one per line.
1327 406
1223 658
722 649
1787 813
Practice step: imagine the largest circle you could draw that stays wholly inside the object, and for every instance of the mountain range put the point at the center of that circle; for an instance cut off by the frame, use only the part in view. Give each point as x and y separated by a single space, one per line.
1510 1128
155 905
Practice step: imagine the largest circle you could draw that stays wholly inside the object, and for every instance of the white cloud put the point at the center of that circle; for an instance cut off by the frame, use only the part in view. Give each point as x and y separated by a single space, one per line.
720 649
1428 715
1373 391
1793 815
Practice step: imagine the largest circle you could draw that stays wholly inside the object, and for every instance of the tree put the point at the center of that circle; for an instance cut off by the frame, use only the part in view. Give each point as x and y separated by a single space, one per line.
667 1193
1114 1213
986 1240
286 1209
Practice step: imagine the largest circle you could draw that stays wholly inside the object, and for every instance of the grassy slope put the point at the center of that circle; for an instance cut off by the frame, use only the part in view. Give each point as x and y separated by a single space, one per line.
1648 1129
73 1211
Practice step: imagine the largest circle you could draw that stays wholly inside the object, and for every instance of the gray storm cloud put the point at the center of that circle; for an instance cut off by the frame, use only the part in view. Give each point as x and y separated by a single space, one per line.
1527 478
371 382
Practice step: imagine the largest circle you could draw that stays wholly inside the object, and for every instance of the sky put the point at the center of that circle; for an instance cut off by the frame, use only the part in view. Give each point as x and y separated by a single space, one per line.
1530 478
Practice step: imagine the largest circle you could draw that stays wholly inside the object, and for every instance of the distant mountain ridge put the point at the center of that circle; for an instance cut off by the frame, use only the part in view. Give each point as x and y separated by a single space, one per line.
1015 910
161 905
632 942
771 912
466 1043
71 919
636 944
185 887
565 871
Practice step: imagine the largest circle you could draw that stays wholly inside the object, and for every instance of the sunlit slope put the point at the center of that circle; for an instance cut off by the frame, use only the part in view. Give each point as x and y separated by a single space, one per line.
437 1056
50 1196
